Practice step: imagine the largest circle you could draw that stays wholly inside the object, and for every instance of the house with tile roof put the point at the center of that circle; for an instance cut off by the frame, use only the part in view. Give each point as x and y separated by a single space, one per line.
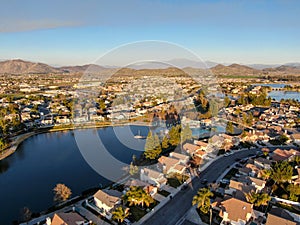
280 216
281 155
171 165
182 158
235 211
194 150
153 177
106 201
70 218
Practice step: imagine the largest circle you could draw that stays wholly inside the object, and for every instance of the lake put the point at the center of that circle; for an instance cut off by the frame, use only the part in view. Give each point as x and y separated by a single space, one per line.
28 176
277 85
278 95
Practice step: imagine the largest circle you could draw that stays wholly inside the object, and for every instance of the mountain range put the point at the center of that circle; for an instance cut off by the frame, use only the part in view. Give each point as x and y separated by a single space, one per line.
18 66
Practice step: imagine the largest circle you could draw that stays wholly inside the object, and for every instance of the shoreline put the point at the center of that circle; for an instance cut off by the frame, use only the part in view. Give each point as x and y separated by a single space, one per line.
17 140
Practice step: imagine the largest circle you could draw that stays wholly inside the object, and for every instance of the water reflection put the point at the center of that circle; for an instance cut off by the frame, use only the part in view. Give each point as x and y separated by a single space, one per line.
4 165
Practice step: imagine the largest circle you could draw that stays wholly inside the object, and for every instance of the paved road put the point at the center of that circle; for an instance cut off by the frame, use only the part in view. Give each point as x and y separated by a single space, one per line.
182 202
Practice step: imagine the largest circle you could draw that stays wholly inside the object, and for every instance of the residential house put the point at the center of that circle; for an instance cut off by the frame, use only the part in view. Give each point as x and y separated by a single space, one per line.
70 218
254 169
239 189
235 211
171 165
245 171
216 141
183 159
281 155
201 144
262 163
295 138
194 150
280 216
153 177
107 200
257 183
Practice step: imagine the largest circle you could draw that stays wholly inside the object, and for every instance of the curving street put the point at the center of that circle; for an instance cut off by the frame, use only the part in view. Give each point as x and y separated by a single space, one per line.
177 207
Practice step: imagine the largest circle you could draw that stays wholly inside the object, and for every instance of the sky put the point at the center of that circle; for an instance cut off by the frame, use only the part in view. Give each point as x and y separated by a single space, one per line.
71 32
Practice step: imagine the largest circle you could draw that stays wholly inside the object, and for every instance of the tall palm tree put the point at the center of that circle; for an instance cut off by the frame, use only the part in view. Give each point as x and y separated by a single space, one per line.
202 200
137 196
265 174
258 199
120 214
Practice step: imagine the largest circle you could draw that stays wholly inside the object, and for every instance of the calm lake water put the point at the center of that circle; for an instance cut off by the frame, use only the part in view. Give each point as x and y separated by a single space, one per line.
278 95
28 176
271 85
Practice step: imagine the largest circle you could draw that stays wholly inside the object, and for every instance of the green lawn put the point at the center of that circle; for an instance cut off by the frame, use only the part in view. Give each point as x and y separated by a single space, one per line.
137 213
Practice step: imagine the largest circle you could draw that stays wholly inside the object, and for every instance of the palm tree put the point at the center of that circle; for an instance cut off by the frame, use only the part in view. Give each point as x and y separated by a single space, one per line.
137 196
258 199
202 200
266 174
120 214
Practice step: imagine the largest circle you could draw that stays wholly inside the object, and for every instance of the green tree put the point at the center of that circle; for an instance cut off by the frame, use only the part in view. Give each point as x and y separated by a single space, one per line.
133 169
174 135
202 200
226 101
294 190
61 193
281 172
152 146
4 126
266 174
165 142
229 128
3 143
137 196
283 139
258 199
249 120
186 133
119 214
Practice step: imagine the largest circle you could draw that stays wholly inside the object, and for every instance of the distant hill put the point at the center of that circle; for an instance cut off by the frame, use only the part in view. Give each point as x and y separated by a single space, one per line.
18 66
262 66
80 69
284 70
234 69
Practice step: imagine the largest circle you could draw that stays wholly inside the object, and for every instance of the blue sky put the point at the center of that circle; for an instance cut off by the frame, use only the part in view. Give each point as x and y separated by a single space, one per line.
65 32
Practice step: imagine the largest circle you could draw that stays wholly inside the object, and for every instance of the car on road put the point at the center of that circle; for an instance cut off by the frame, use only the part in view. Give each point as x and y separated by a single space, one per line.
184 186
204 181
225 181
126 222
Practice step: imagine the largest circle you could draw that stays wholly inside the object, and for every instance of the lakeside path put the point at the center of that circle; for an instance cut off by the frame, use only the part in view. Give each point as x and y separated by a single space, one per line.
17 140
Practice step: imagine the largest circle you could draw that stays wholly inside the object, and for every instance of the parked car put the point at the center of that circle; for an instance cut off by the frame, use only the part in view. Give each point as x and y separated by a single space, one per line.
204 181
